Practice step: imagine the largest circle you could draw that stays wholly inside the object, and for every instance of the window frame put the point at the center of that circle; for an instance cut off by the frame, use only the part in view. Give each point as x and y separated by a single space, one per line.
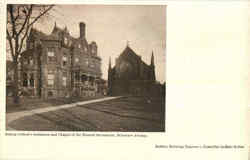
51 79
51 54
64 81
64 60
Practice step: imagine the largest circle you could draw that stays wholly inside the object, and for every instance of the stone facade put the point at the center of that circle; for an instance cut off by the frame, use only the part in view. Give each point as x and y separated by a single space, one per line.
131 75
59 65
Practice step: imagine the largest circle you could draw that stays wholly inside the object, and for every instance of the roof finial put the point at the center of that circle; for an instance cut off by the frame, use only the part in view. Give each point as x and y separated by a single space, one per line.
55 24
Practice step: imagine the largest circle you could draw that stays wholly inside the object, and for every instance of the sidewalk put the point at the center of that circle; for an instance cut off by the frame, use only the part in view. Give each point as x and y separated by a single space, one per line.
16 115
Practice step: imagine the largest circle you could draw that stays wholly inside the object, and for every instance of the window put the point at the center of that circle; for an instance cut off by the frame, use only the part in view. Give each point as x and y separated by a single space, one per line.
92 65
25 61
79 45
65 40
51 79
64 58
70 42
87 62
50 93
31 61
51 54
64 81
32 80
93 51
25 80
76 59
50 71
83 78
77 75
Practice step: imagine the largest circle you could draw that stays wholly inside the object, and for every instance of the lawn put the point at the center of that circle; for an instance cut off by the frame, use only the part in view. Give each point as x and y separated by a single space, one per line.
125 114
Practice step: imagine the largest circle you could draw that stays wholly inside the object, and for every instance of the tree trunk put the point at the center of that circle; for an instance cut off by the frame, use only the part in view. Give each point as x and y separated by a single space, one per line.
16 83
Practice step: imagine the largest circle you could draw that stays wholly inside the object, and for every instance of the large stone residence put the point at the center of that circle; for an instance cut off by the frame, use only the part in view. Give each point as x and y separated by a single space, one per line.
59 65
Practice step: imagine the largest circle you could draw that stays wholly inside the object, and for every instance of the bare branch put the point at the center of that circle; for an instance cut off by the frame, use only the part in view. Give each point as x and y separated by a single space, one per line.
42 13
10 43
10 10
22 39
26 19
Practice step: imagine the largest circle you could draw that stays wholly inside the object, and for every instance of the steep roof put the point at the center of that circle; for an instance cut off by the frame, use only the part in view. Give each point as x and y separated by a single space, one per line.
40 35
56 35
130 52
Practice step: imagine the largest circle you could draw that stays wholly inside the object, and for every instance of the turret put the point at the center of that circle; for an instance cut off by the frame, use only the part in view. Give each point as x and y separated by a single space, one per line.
152 60
109 63
152 67
109 77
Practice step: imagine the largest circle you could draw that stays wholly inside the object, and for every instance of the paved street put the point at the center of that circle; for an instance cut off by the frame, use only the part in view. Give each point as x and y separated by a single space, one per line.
120 114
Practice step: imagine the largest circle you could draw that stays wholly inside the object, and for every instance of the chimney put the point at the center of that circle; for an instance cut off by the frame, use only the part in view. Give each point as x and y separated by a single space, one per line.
82 30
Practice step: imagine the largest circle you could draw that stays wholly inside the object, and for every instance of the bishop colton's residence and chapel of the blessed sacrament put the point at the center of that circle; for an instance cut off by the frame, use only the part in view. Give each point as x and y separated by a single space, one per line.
59 65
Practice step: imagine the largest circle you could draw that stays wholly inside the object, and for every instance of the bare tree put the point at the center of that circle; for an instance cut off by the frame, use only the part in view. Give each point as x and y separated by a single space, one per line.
20 18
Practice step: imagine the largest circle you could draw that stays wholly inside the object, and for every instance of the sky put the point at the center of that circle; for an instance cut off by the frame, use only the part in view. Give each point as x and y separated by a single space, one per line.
112 27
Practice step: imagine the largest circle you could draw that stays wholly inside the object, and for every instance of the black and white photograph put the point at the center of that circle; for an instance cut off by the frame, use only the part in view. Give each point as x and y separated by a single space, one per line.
116 79
86 67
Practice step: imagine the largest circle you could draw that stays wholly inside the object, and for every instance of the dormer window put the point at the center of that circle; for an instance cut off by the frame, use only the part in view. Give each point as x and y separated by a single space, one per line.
93 51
